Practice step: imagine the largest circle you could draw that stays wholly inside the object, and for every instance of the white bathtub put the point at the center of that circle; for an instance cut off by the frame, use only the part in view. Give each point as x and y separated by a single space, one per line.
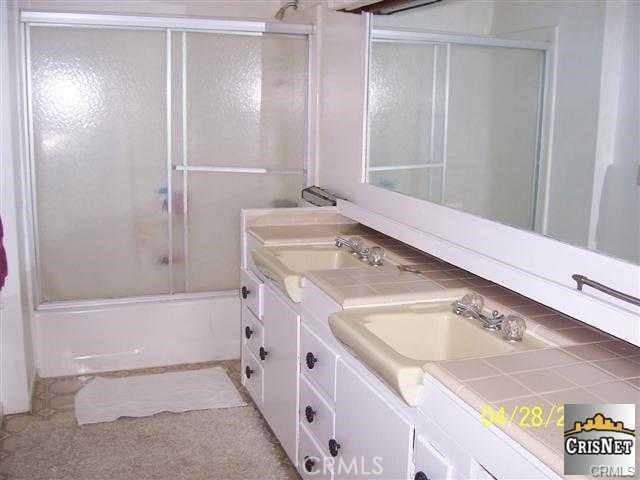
132 334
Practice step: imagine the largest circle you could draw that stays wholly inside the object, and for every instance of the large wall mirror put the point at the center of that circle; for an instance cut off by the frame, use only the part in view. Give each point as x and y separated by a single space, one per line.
525 113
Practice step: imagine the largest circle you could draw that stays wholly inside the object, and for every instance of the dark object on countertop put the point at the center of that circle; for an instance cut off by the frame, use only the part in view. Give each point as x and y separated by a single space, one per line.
319 196
4 267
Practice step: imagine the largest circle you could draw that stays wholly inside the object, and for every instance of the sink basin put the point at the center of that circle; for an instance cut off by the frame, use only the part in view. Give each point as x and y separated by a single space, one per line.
286 265
398 341
302 260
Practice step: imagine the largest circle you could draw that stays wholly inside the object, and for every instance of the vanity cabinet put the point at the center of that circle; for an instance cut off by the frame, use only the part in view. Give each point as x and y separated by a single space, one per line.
337 420
360 435
270 333
279 357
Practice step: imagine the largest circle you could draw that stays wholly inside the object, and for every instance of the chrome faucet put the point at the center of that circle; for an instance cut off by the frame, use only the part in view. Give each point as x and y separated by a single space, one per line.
470 306
373 256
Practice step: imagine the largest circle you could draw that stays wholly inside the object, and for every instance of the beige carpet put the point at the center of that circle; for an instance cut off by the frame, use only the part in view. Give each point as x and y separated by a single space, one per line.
230 443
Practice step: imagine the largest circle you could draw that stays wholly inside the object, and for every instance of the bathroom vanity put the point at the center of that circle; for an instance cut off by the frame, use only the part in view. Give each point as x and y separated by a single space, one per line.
323 387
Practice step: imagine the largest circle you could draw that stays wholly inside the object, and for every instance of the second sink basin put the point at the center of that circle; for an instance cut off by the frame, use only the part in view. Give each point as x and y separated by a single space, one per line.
398 341
287 265
306 259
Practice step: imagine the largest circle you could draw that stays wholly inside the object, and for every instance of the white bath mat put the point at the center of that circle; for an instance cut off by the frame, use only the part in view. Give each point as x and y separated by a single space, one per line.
106 399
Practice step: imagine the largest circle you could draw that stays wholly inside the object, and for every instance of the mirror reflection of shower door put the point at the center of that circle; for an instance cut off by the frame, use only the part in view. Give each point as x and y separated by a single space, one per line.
458 124
99 161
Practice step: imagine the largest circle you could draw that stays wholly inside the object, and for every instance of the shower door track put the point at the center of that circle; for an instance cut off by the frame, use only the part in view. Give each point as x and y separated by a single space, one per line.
108 302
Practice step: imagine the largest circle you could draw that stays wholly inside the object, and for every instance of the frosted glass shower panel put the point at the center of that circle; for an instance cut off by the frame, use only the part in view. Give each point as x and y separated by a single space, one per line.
492 144
400 103
99 123
245 108
213 260
246 100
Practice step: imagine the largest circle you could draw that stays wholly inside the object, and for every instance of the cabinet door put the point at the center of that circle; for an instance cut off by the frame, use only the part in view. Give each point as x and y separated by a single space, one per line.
280 364
374 440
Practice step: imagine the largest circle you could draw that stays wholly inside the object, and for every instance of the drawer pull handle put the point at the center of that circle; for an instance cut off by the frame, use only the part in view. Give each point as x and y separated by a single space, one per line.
309 413
248 332
245 292
310 360
333 447
263 353
421 476
248 371
309 464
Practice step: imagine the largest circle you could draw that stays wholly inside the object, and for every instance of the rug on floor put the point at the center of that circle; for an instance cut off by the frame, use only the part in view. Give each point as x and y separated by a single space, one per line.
107 399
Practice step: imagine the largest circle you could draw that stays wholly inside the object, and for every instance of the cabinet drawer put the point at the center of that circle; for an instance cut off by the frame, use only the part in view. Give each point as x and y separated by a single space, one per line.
313 462
315 413
430 461
252 291
318 362
252 331
252 376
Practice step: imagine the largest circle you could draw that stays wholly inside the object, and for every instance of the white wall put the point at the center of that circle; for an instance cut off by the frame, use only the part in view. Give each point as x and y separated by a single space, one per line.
447 16
342 49
17 368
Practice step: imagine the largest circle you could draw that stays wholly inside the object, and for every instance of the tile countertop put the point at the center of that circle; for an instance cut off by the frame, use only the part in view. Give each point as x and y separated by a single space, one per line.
585 365
600 372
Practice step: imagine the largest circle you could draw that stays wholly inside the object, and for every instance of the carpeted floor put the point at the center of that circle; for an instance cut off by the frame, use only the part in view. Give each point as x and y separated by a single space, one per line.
220 444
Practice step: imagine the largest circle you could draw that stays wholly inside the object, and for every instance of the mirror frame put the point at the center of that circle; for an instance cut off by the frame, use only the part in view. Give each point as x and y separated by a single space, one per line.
536 266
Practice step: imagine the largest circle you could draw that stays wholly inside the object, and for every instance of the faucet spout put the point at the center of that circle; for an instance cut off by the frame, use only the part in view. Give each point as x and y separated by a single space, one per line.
492 322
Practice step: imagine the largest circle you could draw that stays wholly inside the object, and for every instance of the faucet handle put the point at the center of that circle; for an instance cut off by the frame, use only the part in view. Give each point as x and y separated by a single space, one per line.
356 245
474 301
376 256
513 328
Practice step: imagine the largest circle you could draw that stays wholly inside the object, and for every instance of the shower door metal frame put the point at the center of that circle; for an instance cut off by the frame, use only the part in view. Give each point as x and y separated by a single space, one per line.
168 25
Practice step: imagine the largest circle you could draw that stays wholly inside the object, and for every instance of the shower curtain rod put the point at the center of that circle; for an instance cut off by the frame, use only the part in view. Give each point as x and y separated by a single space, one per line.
180 23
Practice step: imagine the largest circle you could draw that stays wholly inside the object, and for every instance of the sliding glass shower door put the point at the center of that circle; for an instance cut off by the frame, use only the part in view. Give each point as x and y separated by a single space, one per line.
146 143
244 108
99 143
